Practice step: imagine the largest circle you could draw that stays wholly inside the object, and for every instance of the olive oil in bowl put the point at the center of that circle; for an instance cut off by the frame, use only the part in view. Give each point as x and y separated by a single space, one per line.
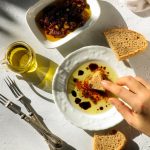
21 58
81 96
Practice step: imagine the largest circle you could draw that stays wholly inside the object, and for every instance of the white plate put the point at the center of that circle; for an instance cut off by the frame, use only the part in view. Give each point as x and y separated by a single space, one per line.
39 6
89 122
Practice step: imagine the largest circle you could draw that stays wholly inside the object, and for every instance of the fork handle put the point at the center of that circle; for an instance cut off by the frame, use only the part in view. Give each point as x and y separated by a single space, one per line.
53 141
35 121
26 103
31 111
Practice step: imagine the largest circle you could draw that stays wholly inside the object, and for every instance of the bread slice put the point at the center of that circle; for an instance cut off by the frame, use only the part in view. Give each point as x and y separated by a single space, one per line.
95 81
125 43
114 140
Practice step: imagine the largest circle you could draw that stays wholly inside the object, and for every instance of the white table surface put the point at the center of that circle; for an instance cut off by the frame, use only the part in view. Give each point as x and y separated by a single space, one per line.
16 134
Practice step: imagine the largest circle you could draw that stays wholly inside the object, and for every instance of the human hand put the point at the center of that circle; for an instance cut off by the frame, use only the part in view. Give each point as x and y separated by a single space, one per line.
136 93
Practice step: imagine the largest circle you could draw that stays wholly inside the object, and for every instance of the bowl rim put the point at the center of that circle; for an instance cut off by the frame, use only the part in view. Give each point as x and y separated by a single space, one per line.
34 10
89 122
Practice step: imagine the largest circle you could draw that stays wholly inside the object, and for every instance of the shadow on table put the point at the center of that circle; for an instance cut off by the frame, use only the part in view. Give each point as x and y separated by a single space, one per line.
20 3
6 32
109 18
140 64
7 16
25 4
143 14
42 77
4 14
128 131
67 147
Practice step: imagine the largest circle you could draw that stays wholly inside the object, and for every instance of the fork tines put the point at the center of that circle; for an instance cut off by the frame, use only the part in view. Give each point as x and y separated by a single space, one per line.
13 86
3 100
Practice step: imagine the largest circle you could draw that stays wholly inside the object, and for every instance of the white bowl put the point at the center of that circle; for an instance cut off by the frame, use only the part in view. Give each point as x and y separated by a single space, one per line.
39 6
85 121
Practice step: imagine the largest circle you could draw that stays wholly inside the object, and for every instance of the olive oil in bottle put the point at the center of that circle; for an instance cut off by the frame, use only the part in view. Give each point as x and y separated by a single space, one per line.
21 57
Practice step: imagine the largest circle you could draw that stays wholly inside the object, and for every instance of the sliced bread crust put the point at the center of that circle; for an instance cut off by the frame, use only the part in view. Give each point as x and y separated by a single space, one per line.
125 43
110 141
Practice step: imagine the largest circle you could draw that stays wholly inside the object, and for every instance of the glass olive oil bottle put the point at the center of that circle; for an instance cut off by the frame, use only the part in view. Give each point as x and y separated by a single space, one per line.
21 58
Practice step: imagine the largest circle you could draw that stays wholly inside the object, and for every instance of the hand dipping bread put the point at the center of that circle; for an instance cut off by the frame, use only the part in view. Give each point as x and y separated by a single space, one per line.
95 81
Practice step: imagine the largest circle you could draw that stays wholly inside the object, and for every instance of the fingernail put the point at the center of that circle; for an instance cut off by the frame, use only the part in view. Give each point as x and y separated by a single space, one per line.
104 82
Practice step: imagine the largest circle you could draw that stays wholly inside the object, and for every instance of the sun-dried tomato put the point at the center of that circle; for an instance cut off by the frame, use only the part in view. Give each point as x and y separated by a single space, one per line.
63 17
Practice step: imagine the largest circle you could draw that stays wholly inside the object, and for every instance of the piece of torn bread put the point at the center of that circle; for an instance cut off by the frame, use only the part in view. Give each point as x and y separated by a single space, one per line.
125 43
95 81
114 140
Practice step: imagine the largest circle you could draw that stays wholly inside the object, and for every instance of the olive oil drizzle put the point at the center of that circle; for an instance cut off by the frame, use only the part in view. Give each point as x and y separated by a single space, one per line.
76 97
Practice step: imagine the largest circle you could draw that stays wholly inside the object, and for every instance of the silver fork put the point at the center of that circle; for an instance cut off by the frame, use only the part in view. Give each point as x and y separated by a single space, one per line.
12 106
24 100
18 94
35 118
49 137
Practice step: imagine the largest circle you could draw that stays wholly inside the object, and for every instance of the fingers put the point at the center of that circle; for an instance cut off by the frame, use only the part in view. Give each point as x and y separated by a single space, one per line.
121 92
143 82
125 111
131 82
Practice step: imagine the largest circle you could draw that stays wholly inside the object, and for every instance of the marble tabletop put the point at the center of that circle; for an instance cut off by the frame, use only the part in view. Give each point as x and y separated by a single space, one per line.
16 134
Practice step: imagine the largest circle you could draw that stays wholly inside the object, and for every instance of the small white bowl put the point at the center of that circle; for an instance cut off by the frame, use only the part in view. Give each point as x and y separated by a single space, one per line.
39 6
59 87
